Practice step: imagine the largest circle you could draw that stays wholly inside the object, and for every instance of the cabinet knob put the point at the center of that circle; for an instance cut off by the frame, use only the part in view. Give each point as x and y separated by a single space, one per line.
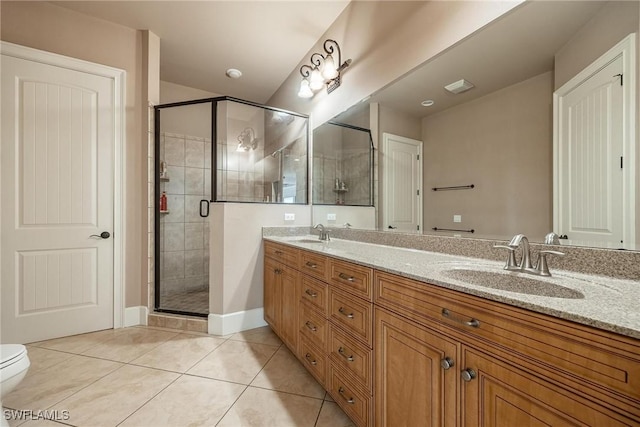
447 363
468 374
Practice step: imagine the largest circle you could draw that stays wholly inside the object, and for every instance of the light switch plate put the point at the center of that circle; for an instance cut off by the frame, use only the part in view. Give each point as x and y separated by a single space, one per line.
289 217
331 217
457 218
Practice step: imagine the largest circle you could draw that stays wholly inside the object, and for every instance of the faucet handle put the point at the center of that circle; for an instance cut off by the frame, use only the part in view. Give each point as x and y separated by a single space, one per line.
511 258
542 268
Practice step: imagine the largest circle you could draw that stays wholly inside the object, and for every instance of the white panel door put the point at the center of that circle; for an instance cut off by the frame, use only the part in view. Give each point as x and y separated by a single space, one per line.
591 153
402 183
57 191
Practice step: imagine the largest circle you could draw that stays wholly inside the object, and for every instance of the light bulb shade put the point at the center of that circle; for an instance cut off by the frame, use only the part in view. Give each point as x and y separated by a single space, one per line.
330 71
305 91
316 81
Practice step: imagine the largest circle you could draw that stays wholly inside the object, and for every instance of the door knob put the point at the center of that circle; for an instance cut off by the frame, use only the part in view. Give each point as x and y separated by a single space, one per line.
103 235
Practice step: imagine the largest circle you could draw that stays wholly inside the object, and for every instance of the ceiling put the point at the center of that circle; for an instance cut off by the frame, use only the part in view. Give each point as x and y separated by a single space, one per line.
200 40
520 45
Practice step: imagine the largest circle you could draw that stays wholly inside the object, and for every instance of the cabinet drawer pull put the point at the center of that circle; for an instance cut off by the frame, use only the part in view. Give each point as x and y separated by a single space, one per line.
278 252
346 277
342 311
468 374
310 326
349 400
277 271
311 264
311 293
308 357
342 353
473 323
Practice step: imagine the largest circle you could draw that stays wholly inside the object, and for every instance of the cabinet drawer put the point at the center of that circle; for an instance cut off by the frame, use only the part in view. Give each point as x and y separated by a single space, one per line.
314 265
352 314
314 359
352 399
351 355
313 326
284 254
351 278
571 350
314 293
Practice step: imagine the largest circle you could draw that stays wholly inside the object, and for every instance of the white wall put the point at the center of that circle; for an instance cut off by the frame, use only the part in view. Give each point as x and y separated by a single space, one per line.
236 265
361 217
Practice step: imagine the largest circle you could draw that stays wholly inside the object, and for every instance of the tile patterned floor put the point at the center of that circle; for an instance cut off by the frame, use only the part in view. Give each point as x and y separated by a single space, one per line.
150 376
189 301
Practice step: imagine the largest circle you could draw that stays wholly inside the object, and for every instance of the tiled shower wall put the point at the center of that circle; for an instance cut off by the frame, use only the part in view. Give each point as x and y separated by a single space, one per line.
241 177
326 168
351 168
356 172
184 234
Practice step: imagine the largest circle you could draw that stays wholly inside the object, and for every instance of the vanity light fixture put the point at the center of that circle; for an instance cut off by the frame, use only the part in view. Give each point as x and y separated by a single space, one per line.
324 70
247 140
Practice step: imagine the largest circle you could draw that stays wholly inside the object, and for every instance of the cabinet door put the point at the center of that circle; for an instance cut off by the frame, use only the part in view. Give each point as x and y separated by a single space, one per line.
412 387
499 394
272 293
289 307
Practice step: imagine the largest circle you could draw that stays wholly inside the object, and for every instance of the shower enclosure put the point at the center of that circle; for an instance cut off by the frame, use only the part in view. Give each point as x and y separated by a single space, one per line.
212 151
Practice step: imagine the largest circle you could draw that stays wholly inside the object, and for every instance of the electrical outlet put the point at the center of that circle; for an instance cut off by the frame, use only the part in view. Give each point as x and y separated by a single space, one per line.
289 217
457 218
331 217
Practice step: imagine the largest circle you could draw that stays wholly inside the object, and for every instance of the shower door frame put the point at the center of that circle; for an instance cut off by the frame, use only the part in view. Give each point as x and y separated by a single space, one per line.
214 187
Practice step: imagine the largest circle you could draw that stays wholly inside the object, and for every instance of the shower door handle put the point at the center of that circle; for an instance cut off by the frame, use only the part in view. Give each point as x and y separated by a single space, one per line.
204 208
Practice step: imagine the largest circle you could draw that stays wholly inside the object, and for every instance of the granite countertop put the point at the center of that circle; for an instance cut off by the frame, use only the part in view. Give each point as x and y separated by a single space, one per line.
602 302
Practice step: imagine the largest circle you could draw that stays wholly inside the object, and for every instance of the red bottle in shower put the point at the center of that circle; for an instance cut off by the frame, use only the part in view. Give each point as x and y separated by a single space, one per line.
163 202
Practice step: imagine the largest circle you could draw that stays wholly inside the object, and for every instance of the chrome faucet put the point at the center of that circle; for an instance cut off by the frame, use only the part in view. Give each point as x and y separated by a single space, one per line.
541 268
324 234
521 239
552 239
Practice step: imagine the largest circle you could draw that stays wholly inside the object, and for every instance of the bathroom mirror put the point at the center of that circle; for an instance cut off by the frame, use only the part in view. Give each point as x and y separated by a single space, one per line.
493 144
342 165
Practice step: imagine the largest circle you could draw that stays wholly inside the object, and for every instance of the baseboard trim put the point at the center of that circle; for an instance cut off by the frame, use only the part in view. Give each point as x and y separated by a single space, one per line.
135 316
225 324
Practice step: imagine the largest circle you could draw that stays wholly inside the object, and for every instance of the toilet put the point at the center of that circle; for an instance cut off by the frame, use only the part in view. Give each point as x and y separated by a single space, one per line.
14 364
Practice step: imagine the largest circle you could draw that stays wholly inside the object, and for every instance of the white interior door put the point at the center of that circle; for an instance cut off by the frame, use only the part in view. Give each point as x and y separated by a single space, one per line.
402 183
592 180
58 140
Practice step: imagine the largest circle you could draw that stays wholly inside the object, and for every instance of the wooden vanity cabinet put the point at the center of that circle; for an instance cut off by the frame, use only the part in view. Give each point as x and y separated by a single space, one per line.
395 352
281 292
497 392
416 374
514 365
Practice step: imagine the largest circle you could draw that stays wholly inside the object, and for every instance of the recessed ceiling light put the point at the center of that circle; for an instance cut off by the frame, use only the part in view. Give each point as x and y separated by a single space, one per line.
233 73
459 86
427 103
